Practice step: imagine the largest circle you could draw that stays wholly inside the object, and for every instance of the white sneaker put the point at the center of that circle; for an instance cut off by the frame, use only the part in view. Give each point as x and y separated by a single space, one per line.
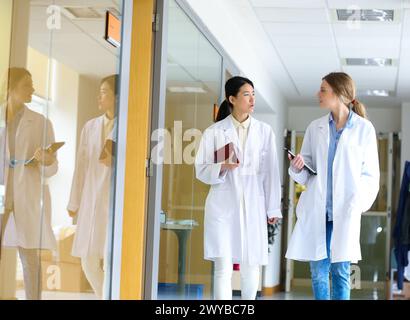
396 291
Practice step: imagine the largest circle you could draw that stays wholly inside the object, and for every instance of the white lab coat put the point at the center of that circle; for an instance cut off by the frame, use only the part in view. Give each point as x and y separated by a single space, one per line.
91 192
29 226
355 187
257 180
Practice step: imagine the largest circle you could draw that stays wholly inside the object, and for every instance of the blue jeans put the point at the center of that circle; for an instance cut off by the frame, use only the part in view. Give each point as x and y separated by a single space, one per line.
340 272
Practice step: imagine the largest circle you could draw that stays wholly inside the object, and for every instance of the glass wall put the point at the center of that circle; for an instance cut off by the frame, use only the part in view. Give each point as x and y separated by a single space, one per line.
58 140
193 87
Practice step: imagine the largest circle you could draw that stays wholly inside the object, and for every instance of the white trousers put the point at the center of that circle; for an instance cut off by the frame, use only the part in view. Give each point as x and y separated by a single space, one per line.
223 280
30 260
94 272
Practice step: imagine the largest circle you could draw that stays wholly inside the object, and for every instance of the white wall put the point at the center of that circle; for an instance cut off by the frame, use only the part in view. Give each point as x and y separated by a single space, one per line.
405 134
240 43
6 10
89 89
383 119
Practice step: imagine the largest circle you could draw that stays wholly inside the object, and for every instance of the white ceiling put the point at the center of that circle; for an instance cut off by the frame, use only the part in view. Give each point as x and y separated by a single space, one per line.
310 43
303 43
80 43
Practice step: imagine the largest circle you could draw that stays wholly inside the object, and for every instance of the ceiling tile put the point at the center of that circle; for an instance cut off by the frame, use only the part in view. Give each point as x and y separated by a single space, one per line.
366 4
376 78
292 15
289 4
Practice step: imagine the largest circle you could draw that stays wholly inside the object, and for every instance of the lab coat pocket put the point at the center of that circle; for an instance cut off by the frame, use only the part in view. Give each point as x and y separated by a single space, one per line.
220 187
262 165
218 205
355 155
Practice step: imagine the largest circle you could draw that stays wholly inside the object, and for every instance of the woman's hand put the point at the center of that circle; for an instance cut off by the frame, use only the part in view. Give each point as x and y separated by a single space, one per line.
273 220
297 163
107 161
45 158
227 165
72 214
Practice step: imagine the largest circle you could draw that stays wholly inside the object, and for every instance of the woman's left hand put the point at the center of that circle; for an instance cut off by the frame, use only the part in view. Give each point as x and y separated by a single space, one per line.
45 158
273 220
107 161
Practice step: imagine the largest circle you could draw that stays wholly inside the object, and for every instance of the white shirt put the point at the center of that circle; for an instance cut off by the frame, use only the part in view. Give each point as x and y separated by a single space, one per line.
242 129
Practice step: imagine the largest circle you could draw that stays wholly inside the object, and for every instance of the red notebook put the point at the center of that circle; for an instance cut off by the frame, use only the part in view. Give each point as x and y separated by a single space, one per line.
224 153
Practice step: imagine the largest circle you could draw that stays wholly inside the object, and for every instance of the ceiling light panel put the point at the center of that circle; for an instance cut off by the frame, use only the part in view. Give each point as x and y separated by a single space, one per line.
376 62
289 4
380 15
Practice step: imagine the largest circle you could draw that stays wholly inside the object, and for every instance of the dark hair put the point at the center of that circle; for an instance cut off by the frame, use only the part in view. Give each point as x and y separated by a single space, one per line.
11 79
344 87
112 81
232 87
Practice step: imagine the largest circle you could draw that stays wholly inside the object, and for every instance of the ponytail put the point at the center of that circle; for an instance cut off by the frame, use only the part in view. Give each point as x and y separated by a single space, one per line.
224 111
359 108
344 87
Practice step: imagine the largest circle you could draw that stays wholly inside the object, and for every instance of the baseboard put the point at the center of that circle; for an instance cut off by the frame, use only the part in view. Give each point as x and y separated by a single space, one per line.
270 291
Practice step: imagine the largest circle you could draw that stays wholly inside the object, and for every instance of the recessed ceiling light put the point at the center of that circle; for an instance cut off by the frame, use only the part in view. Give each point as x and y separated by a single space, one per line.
376 93
376 62
365 15
186 90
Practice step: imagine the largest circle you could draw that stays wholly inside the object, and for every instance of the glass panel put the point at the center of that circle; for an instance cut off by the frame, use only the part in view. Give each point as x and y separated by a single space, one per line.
380 204
373 246
59 202
301 270
193 87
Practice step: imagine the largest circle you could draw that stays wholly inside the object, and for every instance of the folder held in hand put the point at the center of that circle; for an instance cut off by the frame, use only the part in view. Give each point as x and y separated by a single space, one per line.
108 149
225 153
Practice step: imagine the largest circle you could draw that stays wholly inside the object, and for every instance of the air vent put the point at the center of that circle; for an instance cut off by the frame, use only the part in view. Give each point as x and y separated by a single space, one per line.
83 13
375 62
376 93
365 15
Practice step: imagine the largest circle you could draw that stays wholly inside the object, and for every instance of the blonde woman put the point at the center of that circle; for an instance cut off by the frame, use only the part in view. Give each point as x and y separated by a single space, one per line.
342 147
26 223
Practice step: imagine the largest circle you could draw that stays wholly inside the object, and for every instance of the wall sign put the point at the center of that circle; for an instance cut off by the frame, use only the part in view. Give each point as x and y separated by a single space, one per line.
113 29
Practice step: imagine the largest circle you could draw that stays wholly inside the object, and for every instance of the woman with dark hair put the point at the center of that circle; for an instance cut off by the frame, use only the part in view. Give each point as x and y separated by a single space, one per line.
91 186
24 166
245 191
342 147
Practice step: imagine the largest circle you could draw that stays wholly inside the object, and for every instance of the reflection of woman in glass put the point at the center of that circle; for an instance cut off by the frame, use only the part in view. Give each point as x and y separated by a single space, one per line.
26 223
342 147
90 190
244 196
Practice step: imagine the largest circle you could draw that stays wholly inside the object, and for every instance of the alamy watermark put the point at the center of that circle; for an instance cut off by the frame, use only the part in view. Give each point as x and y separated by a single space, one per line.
53 17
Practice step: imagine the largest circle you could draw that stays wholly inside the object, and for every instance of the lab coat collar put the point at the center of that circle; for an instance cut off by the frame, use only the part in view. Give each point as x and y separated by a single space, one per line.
349 122
26 119
244 124
230 132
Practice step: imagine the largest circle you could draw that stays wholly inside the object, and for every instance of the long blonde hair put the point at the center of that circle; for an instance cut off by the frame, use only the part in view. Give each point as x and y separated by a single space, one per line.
344 87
